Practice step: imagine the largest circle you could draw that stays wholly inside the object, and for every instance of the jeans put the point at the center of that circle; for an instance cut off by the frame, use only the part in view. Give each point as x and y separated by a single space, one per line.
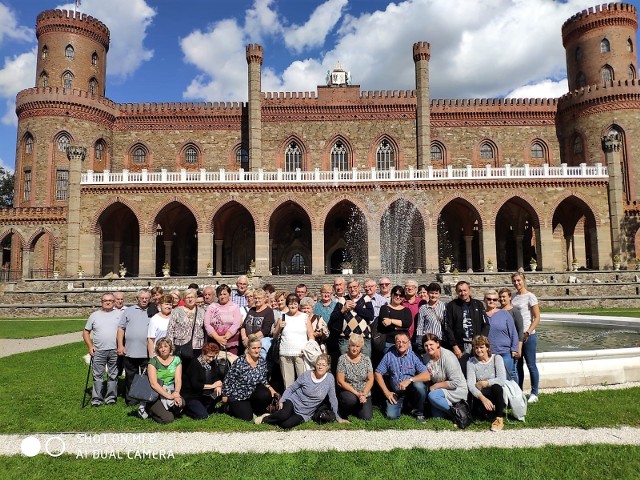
440 406
417 391
529 355
102 359
510 366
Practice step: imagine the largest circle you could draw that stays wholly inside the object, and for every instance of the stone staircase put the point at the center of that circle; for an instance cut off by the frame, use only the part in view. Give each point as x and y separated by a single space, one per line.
73 297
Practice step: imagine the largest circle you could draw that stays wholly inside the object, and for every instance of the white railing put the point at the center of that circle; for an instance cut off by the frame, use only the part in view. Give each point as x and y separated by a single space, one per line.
350 176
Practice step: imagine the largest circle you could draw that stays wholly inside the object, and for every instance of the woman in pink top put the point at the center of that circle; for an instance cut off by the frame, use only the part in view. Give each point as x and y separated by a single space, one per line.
223 321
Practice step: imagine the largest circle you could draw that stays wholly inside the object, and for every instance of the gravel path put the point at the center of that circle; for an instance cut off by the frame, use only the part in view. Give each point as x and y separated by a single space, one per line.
87 445
11 346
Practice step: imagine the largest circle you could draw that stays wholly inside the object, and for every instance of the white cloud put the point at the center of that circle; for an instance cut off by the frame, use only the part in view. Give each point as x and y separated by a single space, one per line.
128 31
261 20
543 89
7 167
316 29
9 27
16 74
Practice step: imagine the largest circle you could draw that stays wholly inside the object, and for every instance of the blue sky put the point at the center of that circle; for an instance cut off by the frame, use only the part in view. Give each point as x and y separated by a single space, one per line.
176 50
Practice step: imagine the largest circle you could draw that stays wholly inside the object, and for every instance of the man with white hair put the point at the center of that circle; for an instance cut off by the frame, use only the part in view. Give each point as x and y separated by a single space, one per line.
237 295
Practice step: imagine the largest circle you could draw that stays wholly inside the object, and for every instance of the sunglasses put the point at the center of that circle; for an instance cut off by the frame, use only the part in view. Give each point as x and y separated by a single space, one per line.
491 299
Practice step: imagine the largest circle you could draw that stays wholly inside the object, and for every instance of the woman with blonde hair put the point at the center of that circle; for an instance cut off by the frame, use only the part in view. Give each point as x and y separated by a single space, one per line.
167 367
355 380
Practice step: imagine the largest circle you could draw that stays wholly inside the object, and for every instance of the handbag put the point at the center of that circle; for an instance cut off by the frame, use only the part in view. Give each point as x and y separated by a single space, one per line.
273 355
221 365
461 414
141 388
324 415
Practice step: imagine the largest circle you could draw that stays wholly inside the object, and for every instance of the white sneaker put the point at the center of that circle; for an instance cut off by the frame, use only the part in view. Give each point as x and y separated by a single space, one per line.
533 398
258 420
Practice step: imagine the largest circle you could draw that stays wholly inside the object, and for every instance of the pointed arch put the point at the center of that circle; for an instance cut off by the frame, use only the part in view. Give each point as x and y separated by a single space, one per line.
139 156
538 152
487 153
95 227
293 153
346 233
338 152
517 233
290 234
460 231
384 153
438 154
234 229
177 227
402 240
67 79
626 167
578 223
190 156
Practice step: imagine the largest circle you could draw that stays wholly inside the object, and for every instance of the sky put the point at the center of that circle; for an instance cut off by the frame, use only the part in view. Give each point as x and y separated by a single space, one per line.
177 50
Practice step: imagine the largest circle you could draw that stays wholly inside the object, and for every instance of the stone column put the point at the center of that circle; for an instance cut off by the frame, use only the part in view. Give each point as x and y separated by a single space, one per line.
76 156
167 251
417 254
26 263
548 251
468 250
262 252
147 257
489 246
373 246
254 62
205 252
317 251
219 244
421 56
519 254
431 249
611 146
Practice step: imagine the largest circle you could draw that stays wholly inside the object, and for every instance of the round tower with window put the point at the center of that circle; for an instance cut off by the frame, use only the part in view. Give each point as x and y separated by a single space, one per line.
72 51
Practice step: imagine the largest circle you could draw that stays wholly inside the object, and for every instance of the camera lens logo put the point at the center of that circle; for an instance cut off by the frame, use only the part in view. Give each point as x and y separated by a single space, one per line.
31 446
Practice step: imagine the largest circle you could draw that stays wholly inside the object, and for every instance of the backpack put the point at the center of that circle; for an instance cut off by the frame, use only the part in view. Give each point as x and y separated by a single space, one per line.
461 414
514 397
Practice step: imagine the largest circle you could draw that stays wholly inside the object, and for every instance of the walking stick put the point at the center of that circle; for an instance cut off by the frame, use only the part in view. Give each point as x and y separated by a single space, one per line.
86 384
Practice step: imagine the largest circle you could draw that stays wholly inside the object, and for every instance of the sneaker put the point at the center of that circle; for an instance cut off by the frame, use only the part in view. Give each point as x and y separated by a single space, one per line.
533 398
142 412
497 425
258 420
420 418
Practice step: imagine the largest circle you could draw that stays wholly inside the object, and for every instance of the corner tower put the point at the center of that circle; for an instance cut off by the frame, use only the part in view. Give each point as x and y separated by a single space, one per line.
254 62
421 56
72 51
600 45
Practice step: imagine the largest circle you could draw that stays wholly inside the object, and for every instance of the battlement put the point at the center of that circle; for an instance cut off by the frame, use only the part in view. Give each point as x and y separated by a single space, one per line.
254 53
600 16
387 94
338 96
174 107
421 51
497 103
593 92
281 96
56 20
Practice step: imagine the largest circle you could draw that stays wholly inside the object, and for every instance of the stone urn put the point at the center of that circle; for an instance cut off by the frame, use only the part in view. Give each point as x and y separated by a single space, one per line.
447 267
209 271
165 272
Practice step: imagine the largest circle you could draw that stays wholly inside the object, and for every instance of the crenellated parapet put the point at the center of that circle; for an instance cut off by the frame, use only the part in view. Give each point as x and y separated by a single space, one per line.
254 53
33 215
174 108
67 21
517 103
609 96
605 15
421 51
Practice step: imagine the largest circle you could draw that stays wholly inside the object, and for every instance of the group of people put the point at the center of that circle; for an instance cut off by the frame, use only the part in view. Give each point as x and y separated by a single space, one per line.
235 350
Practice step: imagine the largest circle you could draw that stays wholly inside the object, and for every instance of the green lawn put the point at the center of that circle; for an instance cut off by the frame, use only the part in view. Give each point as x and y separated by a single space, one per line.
48 399
39 327
616 312
549 463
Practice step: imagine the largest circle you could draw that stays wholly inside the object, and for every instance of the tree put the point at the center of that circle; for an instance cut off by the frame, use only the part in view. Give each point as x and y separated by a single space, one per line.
7 180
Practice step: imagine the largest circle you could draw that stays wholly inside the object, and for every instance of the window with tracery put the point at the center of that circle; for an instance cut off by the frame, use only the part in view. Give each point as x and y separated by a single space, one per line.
62 184
487 152
44 80
437 155
191 155
242 158
69 52
67 80
607 75
339 157
28 145
537 150
63 142
139 155
292 157
385 156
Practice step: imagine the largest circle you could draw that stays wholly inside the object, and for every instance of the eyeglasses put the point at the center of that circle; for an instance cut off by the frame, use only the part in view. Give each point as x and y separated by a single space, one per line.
407 287
107 301
398 295
490 299
321 365
369 286
384 284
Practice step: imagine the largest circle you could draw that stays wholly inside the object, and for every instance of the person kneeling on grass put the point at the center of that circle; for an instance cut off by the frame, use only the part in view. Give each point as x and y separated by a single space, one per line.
485 378
167 367
202 384
301 400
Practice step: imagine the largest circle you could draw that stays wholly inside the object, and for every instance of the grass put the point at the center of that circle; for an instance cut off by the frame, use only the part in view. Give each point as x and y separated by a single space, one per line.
617 312
39 327
581 462
42 392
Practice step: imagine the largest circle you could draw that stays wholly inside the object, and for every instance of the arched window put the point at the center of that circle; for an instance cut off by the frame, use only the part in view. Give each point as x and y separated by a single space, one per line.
44 80
242 158
581 81
607 74
537 150
67 79
191 155
605 46
139 154
45 52
487 151
292 157
631 72
630 45
339 156
385 156
578 54
62 184
437 153
63 142
69 52
27 185
93 86
28 144
99 150
577 144
94 59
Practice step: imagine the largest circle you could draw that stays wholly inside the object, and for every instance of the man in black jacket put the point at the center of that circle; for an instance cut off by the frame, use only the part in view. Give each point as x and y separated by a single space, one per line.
465 318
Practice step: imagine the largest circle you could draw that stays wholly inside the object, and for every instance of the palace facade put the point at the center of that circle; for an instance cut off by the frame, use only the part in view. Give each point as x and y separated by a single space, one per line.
388 181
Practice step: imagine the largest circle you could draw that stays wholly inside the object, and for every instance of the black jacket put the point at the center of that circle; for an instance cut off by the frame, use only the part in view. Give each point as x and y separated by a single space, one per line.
454 330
